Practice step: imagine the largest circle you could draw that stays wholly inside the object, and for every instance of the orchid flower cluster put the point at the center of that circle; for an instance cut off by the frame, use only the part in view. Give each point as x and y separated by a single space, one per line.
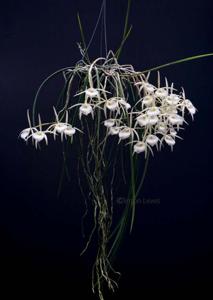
37 134
116 105
153 119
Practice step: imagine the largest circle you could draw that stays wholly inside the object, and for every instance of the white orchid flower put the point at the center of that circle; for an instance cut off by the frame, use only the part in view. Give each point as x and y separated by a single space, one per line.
124 103
168 109
58 126
161 127
149 88
25 133
190 107
153 120
172 99
173 132
169 140
62 128
139 147
114 130
70 131
125 133
90 93
147 101
142 120
127 106
152 140
161 93
86 109
112 104
175 119
37 135
153 111
109 123
115 103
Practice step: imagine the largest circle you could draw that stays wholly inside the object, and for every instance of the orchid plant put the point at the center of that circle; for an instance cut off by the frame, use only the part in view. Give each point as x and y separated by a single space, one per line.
116 112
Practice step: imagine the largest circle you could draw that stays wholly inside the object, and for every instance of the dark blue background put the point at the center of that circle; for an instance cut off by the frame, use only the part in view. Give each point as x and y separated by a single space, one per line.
171 244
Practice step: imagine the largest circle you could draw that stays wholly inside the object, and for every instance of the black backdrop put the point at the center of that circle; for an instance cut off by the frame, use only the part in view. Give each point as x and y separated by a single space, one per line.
171 244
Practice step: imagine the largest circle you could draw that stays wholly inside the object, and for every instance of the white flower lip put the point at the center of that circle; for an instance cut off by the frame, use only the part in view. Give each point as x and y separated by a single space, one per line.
152 140
173 132
128 106
153 120
86 109
175 119
114 130
109 123
124 133
148 87
25 133
189 106
92 93
169 140
172 99
70 131
124 103
60 127
148 100
191 109
162 127
139 147
142 120
169 109
153 111
38 136
112 104
161 93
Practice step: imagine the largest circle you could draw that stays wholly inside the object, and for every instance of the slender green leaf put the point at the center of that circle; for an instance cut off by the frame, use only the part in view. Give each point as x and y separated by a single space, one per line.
118 52
177 62
126 32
